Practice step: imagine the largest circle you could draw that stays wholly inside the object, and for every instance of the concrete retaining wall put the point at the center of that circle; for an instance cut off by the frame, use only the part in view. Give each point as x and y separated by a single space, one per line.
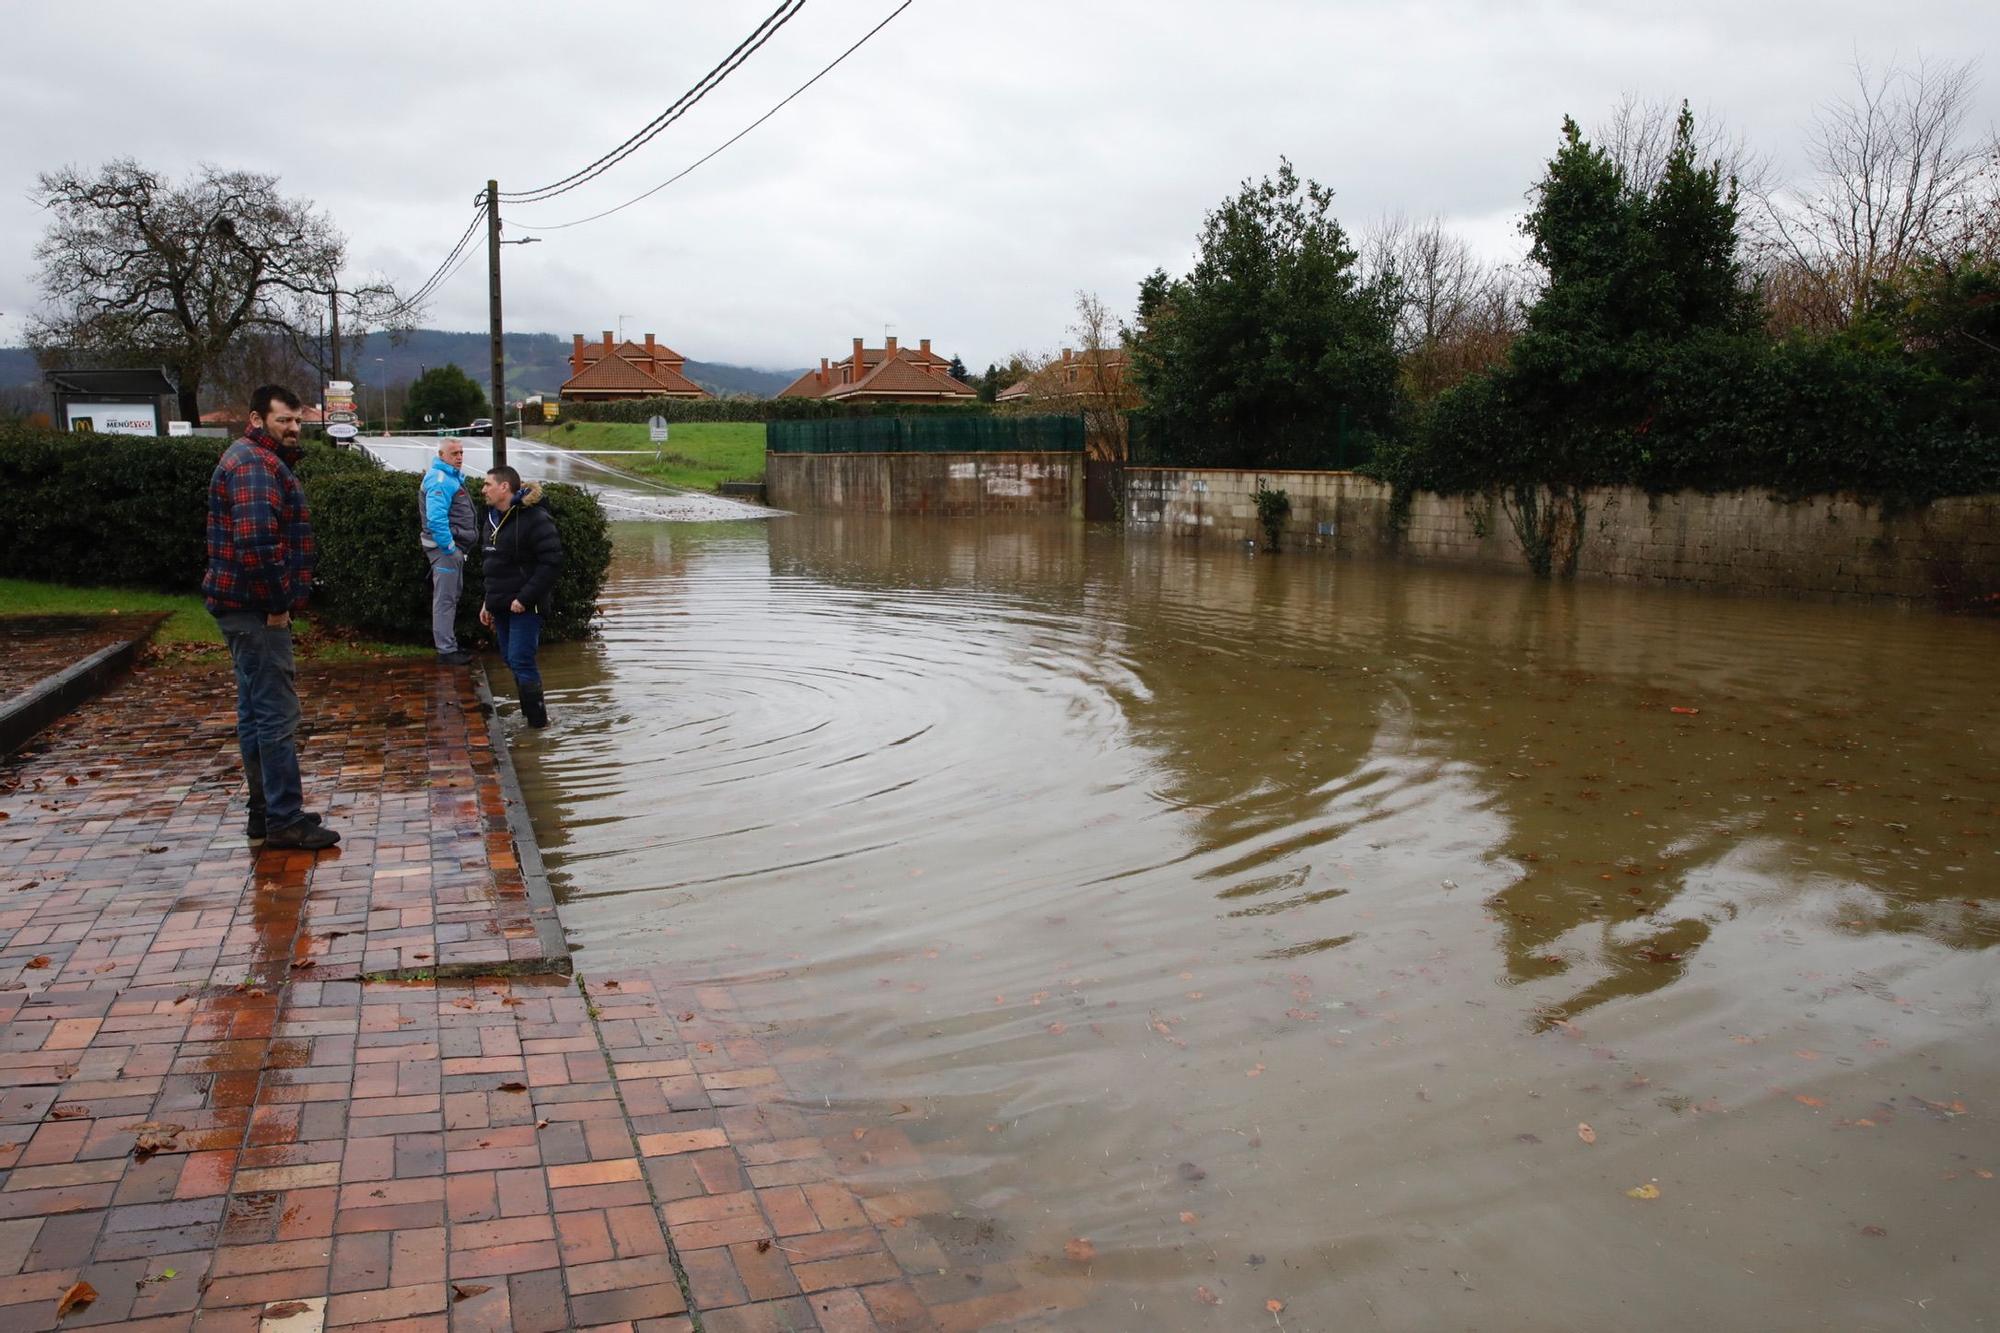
1946 553
959 485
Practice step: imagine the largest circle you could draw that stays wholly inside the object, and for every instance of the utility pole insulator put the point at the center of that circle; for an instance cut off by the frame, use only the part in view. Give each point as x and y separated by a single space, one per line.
493 296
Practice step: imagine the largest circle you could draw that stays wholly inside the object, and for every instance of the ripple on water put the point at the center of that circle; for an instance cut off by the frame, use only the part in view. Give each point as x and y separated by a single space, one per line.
1353 887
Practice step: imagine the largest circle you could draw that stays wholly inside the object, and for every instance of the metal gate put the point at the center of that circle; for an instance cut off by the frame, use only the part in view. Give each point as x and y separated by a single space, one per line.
1103 490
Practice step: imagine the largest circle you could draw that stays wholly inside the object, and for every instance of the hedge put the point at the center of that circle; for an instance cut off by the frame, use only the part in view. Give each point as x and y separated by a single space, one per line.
754 409
374 576
134 513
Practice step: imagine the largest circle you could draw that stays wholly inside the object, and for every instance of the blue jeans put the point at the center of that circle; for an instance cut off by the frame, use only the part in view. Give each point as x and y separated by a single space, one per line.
267 713
520 636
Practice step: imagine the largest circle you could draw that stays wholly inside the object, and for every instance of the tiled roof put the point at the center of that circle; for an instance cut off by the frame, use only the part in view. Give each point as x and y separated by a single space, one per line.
617 375
632 351
805 386
905 375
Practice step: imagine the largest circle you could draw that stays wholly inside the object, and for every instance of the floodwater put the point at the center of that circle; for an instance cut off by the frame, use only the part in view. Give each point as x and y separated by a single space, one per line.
624 497
1418 949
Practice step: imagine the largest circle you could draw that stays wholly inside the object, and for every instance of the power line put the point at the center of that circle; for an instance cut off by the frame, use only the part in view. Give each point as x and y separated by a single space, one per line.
559 226
730 63
440 276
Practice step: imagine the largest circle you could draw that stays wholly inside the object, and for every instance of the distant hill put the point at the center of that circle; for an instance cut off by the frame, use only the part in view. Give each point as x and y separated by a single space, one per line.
536 363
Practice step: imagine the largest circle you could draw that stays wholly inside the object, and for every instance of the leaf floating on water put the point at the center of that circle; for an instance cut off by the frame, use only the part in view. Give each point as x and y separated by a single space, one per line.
1191 1173
1945 1109
1872 1230
1806 1099
1646 1191
1301 1015
1057 1029
1254 1070
1187 1218
79 1295
1275 1306
1529 1139
1685 712
1206 1297
1079 1250
1585 1132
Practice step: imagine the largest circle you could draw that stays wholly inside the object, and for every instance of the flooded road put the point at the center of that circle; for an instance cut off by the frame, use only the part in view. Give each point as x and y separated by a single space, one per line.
626 498
1176 934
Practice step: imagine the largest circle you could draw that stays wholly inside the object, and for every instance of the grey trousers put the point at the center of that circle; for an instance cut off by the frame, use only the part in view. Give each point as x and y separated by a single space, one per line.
447 581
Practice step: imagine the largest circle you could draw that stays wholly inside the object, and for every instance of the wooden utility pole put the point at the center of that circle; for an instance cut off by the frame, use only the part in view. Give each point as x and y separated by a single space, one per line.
493 297
334 306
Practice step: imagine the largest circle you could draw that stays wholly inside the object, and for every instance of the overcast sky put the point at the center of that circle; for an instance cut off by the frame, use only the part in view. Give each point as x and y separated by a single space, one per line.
958 178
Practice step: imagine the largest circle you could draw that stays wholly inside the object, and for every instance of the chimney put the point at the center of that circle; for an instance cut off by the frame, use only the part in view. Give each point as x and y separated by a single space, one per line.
822 370
651 353
576 354
607 342
1066 355
889 345
925 345
860 365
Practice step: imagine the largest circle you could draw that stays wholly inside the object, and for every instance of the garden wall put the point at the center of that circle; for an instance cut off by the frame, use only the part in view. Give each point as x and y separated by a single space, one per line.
1946 553
957 485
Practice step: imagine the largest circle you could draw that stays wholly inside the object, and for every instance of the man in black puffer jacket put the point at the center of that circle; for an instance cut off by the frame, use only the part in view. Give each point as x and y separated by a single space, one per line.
523 553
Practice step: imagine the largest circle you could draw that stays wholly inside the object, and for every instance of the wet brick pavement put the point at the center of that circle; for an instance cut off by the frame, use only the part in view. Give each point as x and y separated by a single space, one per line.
217 1113
33 648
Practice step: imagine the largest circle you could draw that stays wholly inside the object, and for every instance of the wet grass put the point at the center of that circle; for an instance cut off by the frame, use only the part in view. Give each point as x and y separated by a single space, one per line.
700 455
189 631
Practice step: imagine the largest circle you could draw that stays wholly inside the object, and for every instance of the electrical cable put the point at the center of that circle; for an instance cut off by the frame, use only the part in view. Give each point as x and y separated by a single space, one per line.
437 278
730 63
559 226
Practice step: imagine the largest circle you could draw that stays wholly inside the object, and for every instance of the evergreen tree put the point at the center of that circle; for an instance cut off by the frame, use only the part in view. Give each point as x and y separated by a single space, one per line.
1273 347
446 393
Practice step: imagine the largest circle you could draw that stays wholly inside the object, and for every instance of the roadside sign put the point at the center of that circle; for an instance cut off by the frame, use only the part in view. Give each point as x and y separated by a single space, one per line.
656 430
180 428
341 430
340 406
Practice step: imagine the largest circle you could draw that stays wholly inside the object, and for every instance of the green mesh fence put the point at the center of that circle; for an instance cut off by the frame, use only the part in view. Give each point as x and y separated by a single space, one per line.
927 435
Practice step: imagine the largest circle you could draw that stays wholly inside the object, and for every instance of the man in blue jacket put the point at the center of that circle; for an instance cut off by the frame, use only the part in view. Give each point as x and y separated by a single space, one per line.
448 534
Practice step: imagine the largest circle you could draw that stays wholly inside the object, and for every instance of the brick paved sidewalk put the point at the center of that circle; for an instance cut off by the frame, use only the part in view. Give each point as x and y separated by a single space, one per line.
215 1112
33 648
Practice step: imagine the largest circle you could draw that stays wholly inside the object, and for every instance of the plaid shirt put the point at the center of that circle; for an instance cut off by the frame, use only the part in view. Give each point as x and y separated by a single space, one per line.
260 539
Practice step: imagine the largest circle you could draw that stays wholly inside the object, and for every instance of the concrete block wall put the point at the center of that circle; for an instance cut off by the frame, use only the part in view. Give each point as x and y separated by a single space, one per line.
954 485
1946 553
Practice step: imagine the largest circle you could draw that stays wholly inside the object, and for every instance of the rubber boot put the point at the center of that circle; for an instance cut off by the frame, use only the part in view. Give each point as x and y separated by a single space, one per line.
532 706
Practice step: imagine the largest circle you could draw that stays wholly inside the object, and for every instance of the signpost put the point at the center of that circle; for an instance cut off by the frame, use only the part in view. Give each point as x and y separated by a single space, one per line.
340 410
656 431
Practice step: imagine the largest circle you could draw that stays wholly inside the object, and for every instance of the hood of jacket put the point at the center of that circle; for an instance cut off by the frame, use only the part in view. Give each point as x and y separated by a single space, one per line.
529 494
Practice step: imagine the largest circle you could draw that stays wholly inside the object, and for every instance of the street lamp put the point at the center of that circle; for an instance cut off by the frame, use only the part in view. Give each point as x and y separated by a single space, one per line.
385 398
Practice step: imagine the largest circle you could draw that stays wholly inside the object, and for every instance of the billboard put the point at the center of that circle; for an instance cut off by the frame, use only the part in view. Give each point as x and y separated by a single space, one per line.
112 418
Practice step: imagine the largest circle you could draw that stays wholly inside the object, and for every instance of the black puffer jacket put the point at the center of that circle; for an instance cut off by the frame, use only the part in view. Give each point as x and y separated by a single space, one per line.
523 553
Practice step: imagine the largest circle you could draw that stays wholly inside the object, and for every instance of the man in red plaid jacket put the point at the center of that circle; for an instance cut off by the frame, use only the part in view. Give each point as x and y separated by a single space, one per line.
260 570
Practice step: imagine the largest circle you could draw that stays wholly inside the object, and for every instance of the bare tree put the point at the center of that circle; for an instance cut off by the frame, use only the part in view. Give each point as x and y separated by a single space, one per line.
1453 314
1896 176
137 268
1639 134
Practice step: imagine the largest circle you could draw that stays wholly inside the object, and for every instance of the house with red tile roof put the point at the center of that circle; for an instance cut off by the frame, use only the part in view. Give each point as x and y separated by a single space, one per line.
886 374
1075 380
608 370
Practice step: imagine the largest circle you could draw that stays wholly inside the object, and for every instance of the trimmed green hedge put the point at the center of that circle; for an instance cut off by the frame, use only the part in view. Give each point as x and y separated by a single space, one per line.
363 518
755 409
107 511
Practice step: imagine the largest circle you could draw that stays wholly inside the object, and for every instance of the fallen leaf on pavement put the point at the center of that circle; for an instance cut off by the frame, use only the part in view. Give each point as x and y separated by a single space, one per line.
1206 1297
1275 1306
1187 1218
38 962
1079 1250
79 1295
1805 1099
1643 1192
1586 1133
1872 1230
465 1291
513 1085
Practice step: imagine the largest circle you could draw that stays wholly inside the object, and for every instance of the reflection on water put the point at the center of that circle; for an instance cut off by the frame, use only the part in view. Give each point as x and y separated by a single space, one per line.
1276 923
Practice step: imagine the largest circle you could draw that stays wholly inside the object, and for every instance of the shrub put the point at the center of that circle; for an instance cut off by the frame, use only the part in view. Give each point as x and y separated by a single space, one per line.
134 513
374 576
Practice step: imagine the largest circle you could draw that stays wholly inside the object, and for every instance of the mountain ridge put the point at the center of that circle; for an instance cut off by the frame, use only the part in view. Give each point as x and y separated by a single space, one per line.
536 363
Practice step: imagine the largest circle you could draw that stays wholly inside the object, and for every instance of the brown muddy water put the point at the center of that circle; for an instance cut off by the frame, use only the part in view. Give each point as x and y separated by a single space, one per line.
1278 925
